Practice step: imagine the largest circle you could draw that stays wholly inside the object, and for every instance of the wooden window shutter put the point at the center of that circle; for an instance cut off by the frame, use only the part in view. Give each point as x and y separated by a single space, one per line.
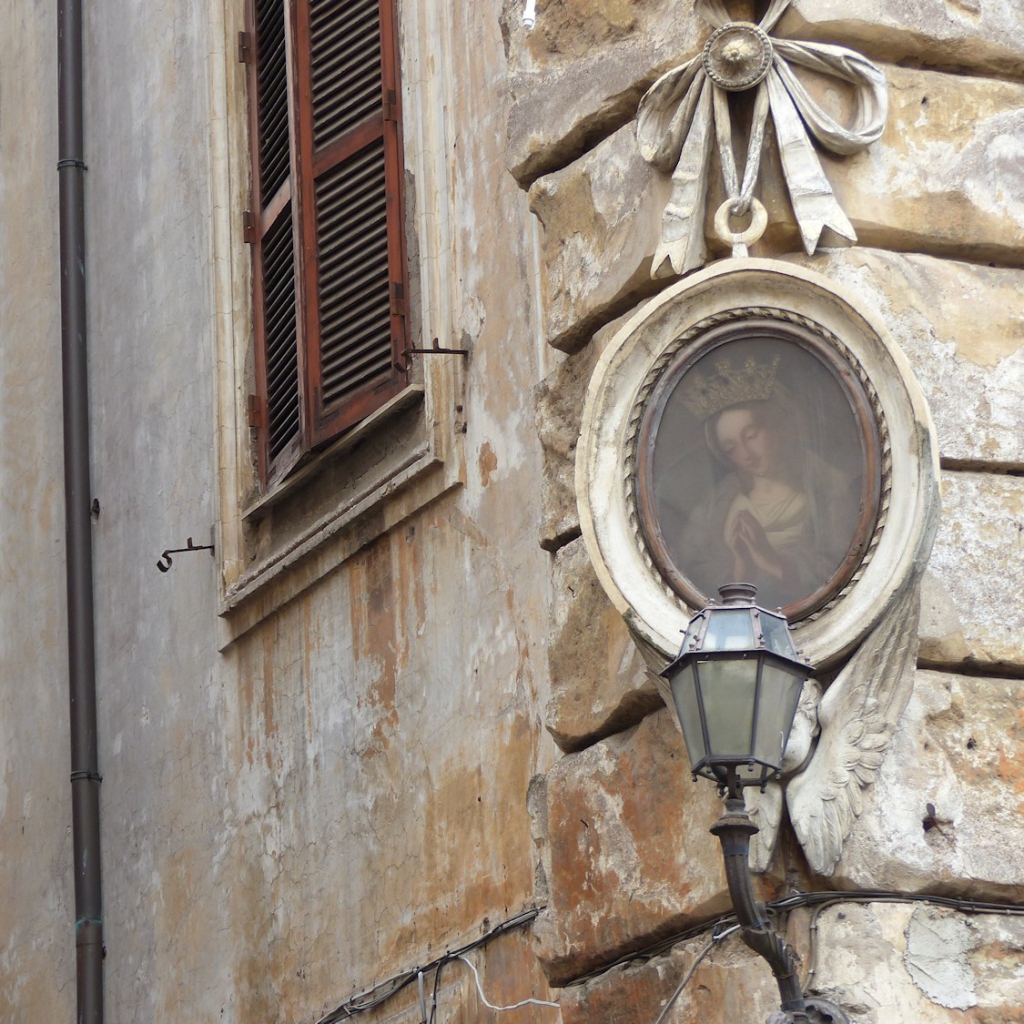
328 171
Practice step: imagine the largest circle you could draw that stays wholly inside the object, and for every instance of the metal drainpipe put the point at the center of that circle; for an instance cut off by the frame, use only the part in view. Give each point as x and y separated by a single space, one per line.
85 777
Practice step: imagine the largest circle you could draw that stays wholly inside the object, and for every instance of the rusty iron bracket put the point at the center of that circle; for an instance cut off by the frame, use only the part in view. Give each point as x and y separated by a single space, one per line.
436 351
166 556
245 47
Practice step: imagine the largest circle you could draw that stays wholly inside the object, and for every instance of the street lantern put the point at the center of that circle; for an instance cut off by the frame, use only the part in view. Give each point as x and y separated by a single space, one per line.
736 686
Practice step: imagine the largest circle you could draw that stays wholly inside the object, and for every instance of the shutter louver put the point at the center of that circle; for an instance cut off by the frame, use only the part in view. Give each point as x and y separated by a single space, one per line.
329 251
345 66
279 331
272 98
355 299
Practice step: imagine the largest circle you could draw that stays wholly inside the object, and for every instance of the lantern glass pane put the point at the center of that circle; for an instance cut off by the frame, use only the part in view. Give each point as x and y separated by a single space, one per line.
780 694
684 693
727 690
691 632
776 635
729 629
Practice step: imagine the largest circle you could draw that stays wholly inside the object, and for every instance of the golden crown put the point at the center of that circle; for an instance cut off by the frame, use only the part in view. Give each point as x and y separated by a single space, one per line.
707 394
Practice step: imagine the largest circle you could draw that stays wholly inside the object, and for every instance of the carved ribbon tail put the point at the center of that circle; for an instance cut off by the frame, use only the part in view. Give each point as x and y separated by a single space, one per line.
795 114
674 130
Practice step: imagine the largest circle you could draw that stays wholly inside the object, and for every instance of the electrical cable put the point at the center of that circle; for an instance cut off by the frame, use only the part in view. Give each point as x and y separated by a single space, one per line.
437 985
373 997
491 1006
716 938
798 900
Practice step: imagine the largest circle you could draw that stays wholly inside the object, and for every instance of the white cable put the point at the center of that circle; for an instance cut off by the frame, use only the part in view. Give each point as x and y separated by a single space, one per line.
515 1006
530 15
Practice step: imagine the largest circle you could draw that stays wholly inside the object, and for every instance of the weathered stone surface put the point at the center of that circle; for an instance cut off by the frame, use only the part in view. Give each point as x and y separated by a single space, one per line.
559 407
948 173
980 35
599 681
883 963
980 538
944 179
626 852
581 71
602 221
559 399
730 985
892 963
947 808
962 327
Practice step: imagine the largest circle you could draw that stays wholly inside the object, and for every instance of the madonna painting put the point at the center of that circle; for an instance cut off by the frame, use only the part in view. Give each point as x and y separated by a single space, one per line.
759 463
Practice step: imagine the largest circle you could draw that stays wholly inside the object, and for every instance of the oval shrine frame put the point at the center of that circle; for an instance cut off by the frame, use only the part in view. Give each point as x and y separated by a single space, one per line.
898 509
714 335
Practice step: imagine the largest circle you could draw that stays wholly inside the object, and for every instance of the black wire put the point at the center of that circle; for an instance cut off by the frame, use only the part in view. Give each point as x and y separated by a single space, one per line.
804 899
437 985
379 994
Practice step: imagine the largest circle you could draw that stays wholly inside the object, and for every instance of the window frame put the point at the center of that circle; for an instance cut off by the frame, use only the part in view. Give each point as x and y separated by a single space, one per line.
319 424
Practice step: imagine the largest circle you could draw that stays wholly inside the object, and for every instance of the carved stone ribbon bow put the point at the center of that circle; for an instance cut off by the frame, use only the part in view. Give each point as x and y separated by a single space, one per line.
687 105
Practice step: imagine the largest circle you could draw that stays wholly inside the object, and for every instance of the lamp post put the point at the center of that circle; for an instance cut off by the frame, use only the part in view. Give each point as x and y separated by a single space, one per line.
736 685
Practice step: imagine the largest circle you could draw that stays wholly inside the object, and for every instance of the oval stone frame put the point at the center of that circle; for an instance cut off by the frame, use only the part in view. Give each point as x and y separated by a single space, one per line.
669 333
714 335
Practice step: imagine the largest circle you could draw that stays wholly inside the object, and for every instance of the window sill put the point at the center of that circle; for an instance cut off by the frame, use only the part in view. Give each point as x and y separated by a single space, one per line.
363 485
295 481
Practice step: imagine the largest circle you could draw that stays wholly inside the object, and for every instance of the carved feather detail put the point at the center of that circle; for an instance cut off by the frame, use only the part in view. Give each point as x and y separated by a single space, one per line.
858 717
765 809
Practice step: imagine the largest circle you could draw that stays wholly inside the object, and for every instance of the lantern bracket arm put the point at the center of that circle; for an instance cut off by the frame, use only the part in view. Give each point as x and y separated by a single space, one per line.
734 830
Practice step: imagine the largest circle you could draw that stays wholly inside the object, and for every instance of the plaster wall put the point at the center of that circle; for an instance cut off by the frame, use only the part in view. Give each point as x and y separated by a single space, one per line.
297 808
36 897
308 795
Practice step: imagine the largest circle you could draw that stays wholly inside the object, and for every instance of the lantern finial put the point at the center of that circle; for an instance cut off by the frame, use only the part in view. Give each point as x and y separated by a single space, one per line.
738 593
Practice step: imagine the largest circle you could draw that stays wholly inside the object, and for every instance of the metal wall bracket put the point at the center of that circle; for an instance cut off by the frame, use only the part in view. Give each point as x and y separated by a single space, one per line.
436 350
166 556
817 1011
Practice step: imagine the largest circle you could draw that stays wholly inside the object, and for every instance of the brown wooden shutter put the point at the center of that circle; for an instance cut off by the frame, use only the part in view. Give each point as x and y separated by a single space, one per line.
329 252
356 233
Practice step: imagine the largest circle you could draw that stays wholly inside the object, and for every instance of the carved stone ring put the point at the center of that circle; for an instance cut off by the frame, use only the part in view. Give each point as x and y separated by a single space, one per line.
758 223
738 56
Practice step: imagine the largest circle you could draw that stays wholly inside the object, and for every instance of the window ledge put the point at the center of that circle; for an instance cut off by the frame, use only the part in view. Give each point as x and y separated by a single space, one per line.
310 524
294 482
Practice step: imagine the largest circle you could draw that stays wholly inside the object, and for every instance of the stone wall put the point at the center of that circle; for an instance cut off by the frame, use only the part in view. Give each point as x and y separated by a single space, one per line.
451 723
936 204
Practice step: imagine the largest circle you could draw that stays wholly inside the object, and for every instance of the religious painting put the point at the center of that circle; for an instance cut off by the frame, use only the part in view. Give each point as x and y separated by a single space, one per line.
759 462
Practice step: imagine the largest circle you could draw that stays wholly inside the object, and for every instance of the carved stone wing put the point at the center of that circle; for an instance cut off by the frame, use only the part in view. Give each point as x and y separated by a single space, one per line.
765 809
858 717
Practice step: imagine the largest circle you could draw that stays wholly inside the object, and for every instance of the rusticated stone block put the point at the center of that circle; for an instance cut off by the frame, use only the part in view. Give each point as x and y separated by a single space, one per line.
602 221
978 35
559 408
730 985
947 808
962 328
972 608
625 848
599 681
893 963
882 963
943 179
582 70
